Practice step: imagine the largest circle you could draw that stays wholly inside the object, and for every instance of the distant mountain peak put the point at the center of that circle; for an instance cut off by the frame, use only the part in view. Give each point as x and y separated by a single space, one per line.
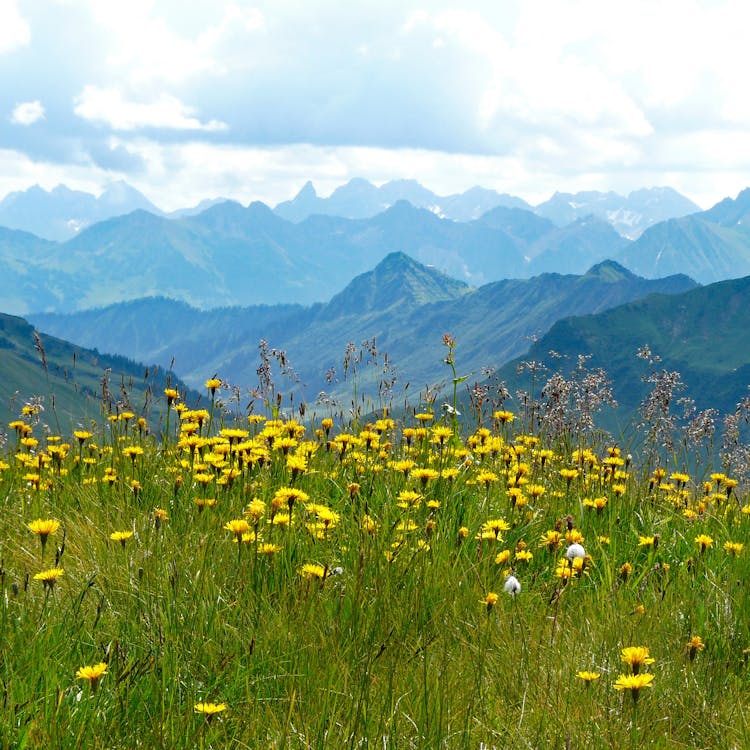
397 281
307 191
610 271
360 199
397 261
59 214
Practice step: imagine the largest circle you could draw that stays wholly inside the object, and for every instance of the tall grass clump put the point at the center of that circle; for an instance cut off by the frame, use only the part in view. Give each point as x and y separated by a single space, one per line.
268 583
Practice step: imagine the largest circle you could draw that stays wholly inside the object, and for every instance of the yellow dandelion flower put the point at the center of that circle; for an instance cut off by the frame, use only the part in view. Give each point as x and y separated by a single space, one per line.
238 527
588 677
694 645
311 570
704 542
408 499
92 673
569 474
267 548
535 490
369 525
209 710
121 536
424 475
172 394
574 536
550 540
598 503
288 496
441 434
49 577
212 384
636 657
255 510
502 557
486 478
633 682
424 417
733 548
204 502
490 600
43 528
494 528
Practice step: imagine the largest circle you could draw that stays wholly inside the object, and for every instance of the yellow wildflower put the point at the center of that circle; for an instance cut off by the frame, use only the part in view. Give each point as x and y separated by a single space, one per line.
633 682
636 657
92 673
44 528
121 536
210 710
49 577
588 677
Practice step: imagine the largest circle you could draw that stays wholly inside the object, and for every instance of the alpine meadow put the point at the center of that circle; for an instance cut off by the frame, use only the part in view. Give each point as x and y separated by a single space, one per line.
374 375
346 579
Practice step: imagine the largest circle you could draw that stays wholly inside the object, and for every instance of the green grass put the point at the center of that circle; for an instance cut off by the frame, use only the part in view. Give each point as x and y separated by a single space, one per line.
395 647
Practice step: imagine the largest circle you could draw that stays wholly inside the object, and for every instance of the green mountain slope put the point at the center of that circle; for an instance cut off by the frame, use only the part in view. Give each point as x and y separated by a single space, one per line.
71 387
704 334
405 306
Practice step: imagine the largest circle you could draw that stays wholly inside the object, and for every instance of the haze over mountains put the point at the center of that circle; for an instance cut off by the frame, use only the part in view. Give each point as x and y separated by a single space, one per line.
228 254
360 199
62 213
402 304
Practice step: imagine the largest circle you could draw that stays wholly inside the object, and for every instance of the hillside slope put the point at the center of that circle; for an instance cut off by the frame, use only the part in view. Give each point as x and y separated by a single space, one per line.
405 306
703 333
72 384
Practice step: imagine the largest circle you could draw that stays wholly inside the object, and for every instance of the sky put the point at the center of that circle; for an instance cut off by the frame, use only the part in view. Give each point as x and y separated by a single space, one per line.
249 100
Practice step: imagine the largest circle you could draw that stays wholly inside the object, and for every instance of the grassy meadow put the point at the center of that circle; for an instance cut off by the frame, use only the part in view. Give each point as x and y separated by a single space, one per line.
267 582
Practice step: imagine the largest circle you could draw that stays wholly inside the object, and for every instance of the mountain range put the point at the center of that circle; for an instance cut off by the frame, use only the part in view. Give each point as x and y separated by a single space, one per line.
359 199
60 214
230 255
402 304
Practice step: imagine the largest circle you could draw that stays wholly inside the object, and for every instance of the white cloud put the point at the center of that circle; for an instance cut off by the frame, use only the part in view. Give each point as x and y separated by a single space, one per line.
27 113
108 106
532 77
147 43
14 30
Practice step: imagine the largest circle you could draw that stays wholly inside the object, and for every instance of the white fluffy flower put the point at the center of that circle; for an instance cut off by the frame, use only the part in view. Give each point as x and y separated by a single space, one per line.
575 550
512 585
